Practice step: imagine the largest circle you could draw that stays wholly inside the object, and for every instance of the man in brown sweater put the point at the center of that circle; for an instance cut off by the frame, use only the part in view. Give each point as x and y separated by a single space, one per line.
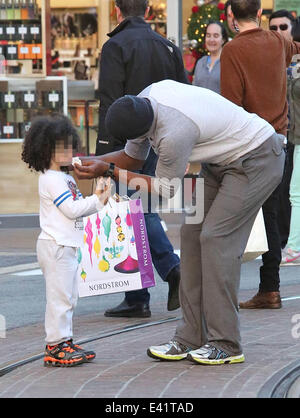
253 75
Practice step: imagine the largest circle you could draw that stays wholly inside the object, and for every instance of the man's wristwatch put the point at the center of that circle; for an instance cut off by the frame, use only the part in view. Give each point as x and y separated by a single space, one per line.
110 171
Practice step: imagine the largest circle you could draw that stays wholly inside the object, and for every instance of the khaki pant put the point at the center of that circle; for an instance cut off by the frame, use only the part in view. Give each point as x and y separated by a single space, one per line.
59 265
211 252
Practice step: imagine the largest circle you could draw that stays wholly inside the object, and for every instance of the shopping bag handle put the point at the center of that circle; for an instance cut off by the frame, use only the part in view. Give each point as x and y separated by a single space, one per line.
119 198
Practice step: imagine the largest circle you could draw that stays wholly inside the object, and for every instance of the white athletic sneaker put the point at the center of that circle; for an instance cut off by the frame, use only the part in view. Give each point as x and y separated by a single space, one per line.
173 350
208 354
290 257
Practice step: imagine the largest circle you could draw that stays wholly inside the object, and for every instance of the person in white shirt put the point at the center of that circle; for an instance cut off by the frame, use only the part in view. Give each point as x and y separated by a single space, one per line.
48 149
242 159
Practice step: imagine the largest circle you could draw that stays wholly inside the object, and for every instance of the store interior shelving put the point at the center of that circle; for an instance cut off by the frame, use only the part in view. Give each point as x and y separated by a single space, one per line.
22 38
24 98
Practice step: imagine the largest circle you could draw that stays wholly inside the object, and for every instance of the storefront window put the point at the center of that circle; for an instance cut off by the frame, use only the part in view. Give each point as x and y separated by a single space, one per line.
74 37
158 16
67 24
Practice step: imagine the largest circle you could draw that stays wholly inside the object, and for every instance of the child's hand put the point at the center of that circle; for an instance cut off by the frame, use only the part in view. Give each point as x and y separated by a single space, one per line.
103 189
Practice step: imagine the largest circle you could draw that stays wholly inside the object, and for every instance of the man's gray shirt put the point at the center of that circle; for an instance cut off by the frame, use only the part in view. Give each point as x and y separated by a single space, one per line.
194 124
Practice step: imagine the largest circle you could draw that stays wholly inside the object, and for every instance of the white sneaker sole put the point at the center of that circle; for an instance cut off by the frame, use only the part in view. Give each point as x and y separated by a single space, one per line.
169 357
228 360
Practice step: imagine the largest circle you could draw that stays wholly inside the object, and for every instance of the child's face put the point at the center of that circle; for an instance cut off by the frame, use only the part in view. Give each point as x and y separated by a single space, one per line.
63 153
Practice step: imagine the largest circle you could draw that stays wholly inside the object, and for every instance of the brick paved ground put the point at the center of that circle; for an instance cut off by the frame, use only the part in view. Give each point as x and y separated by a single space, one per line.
123 370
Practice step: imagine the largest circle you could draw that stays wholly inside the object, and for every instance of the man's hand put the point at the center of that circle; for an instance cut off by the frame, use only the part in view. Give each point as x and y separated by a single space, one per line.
90 169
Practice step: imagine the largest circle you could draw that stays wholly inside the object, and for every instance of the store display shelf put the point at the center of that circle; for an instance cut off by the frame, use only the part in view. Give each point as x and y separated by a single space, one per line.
61 59
23 38
13 63
80 103
157 21
35 20
28 76
11 141
23 99
63 70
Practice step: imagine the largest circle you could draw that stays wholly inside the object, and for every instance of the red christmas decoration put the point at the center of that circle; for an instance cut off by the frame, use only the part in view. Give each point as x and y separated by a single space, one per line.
196 54
221 6
195 9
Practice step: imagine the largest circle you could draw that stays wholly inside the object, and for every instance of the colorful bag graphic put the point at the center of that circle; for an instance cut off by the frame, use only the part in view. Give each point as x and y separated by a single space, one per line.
115 254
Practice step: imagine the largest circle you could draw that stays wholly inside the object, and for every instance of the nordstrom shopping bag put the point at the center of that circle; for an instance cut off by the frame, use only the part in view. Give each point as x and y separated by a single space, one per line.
115 254
257 242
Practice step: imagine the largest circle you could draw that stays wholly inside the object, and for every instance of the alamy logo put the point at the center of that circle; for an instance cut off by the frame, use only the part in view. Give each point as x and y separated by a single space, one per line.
2 65
296 66
296 328
2 327
182 195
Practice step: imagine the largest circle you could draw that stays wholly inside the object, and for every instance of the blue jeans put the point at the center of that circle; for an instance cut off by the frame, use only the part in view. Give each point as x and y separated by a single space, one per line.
162 251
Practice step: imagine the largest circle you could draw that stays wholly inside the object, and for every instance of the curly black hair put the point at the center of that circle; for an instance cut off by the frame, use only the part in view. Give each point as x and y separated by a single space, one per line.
40 141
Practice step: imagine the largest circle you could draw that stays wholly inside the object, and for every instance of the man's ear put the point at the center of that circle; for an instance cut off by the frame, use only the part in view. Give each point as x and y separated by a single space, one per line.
259 13
120 17
146 13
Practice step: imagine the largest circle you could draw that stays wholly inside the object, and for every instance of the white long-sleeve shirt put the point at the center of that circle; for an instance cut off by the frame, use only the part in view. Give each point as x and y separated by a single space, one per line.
62 207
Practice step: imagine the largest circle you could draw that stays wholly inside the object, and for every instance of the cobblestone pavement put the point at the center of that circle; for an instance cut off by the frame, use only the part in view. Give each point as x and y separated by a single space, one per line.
271 341
122 368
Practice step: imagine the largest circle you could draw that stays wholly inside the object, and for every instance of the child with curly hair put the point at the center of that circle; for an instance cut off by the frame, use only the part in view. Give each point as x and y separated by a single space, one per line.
48 148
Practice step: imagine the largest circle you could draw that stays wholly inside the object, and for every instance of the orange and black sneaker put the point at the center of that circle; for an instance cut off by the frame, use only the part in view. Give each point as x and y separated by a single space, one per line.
88 354
62 355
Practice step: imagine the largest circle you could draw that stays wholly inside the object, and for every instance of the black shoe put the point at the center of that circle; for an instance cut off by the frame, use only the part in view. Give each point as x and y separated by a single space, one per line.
173 280
124 310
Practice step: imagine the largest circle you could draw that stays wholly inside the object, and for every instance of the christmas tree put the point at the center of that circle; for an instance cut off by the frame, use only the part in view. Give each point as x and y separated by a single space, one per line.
202 13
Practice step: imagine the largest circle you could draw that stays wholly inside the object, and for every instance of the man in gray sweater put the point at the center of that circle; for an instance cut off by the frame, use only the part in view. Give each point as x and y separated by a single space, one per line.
242 162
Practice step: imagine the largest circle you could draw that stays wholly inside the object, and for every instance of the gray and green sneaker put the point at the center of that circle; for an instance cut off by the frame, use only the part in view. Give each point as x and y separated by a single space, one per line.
211 355
173 350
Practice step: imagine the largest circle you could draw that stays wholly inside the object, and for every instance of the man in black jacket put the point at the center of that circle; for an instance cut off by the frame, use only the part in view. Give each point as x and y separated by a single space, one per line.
133 58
